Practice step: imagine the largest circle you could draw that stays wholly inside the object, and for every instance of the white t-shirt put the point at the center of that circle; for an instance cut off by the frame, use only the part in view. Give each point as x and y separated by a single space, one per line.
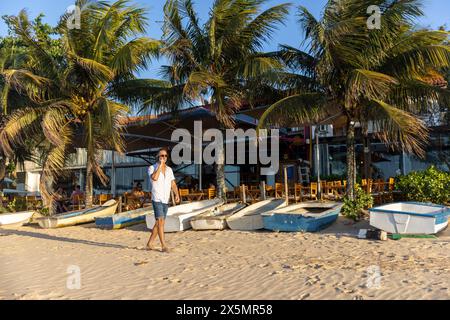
161 187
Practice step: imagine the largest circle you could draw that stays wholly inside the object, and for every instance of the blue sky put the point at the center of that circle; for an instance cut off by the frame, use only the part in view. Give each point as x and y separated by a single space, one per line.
437 13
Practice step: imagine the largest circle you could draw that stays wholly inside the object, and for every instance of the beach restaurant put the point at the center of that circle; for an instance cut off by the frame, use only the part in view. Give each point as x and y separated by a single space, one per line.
304 151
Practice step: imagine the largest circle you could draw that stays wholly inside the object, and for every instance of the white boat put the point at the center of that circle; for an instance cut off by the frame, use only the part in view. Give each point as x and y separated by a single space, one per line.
215 219
178 217
124 219
79 216
410 218
250 217
15 219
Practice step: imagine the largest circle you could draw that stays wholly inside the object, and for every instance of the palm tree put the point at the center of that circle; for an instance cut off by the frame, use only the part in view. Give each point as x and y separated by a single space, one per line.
216 62
363 76
72 96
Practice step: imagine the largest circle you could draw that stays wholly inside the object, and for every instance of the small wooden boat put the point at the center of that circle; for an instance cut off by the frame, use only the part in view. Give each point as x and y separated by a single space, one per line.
124 219
410 217
79 216
306 217
250 217
215 219
15 219
178 217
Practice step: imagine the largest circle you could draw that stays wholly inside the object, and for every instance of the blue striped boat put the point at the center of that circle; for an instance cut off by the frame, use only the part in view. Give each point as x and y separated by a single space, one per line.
305 217
124 219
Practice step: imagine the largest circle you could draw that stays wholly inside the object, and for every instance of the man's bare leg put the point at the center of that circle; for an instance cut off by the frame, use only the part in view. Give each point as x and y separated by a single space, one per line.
161 235
153 235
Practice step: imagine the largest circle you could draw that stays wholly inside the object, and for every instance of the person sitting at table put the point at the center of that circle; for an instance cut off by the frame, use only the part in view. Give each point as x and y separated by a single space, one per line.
60 198
76 195
137 196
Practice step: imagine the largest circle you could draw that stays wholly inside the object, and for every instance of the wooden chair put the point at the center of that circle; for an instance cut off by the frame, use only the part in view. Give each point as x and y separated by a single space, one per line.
298 192
279 190
78 202
211 193
270 191
102 198
313 191
184 193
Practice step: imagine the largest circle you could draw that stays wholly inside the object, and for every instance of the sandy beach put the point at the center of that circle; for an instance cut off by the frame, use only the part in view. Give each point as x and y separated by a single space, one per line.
36 264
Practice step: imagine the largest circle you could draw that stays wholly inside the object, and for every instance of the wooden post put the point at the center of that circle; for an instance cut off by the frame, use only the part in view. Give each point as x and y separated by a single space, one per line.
286 186
244 198
119 210
263 190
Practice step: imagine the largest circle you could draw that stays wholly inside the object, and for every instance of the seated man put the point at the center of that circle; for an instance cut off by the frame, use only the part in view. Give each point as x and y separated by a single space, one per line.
76 196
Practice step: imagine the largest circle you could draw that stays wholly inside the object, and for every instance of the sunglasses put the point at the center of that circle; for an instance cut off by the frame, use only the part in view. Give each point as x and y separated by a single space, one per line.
163 155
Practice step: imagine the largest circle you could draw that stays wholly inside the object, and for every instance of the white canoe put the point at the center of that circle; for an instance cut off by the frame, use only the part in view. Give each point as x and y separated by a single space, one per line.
250 217
15 219
178 217
78 217
410 217
215 219
124 219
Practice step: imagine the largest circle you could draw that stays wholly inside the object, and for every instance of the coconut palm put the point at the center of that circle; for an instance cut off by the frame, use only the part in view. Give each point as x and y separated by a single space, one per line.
363 76
216 62
72 96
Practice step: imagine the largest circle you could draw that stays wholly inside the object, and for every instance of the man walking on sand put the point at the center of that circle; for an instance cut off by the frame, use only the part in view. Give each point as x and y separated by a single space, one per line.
162 181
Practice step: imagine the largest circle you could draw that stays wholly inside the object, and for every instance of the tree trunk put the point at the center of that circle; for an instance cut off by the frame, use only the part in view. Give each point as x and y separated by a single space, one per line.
351 164
220 172
367 160
89 183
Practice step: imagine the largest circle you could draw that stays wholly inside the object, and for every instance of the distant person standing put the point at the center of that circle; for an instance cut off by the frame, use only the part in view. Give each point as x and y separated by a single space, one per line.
162 182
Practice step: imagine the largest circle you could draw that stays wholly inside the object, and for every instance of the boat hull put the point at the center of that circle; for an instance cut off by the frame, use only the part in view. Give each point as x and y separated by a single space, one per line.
78 217
250 218
178 217
123 220
410 218
15 219
295 218
216 219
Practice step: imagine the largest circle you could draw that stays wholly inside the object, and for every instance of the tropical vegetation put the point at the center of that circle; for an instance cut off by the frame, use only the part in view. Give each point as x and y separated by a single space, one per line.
363 77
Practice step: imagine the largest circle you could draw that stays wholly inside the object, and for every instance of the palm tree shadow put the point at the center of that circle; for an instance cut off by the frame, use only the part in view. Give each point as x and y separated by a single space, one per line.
7 232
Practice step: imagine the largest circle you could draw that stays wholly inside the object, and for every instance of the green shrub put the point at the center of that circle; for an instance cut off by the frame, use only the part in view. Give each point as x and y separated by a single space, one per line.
353 209
431 185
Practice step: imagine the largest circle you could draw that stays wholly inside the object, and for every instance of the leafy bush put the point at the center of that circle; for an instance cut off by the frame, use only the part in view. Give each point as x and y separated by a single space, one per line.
431 185
353 209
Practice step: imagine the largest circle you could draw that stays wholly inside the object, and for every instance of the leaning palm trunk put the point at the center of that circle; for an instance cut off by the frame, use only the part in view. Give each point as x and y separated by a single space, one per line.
351 163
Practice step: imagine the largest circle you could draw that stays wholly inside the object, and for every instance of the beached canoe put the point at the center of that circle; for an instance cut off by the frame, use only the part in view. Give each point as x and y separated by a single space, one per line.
15 219
305 217
410 217
78 217
250 217
178 217
215 219
124 219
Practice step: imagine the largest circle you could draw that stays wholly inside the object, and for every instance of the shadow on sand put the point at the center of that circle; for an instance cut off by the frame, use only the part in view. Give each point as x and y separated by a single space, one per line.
7 232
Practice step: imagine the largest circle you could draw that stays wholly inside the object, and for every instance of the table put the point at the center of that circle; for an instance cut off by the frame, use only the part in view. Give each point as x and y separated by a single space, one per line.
195 196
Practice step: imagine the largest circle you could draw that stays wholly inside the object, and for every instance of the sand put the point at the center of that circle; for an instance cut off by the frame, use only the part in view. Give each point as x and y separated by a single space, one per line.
333 264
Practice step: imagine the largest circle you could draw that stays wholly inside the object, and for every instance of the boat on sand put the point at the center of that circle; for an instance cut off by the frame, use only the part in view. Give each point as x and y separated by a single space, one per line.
250 217
215 219
124 219
178 217
15 219
79 216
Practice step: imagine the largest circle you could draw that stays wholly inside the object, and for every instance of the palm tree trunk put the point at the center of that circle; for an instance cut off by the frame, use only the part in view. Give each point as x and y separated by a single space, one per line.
89 183
220 172
351 163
